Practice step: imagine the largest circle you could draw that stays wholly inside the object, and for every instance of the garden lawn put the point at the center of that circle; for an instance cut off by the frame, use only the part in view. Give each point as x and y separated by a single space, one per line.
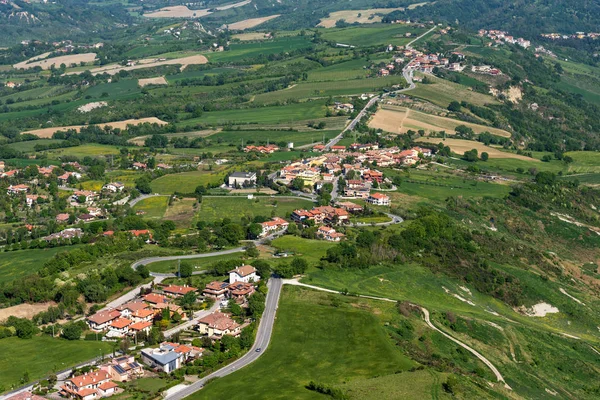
154 207
185 182
234 208
313 341
43 355
20 263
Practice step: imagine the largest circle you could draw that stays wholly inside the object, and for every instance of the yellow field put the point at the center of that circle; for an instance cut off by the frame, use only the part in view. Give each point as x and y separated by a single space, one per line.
397 119
184 12
251 23
48 132
46 63
153 81
250 36
459 146
352 16
148 63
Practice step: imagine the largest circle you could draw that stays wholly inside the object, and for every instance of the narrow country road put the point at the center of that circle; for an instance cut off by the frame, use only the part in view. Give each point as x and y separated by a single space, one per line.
263 337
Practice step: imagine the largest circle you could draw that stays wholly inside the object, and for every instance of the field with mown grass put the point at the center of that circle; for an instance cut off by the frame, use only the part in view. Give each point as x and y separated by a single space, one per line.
234 208
18 264
153 207
185 182
309 249
442 92
41 356
313 340
85 150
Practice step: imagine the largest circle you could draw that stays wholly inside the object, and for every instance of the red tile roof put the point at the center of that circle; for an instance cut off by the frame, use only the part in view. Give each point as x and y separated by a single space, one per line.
90 378
176 289
155 298
102 317
244 270
121 323
138 326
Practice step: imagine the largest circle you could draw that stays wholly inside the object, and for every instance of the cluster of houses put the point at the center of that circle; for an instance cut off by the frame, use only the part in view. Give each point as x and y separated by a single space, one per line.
486 69
576 35
500 37
267 149
138 316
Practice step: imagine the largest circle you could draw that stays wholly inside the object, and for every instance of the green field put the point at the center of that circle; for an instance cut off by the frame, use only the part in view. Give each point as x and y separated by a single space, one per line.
29 145
154 207
442 92
334 88
347 70
20 355
198 263
311 250
91 150
20 263
298 138
215 208
262 115
185 182
372 35
313 341
121 90
240 51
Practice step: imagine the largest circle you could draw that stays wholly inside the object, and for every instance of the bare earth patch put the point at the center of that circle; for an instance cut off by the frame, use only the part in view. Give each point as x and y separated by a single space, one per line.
57 61
459 146
396 119
251 23
184 12
148 63
153 81
541 310
359 16
24 310
46 133
92 106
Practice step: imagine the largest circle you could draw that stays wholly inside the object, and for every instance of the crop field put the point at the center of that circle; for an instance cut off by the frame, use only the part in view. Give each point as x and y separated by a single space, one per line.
314 341
584 162
139 140
153 207
347 70
199 264
184 12
366 36
181 211
29 145
459 146
153 81
240 51
48 132
20 355
46 63
298 138
149 63
18 264
199 74
216 208
123 89
250 36
185 181
370 16
325 89
92 150
438 186
401 119
250 23
442 92
262 115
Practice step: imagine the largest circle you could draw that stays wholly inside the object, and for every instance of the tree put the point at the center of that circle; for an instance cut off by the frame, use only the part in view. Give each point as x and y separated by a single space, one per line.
188 300
143 185
545 178
235 308
251 250
254 230
484 156
299 266
297 184
454 106
72 331
185 270
470 155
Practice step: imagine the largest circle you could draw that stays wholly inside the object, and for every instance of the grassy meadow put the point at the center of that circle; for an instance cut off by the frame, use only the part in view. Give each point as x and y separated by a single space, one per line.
215 208
20 263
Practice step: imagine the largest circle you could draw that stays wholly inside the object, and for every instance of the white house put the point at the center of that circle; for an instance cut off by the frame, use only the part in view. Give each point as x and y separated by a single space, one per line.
114 187
102 319
245 273
169 356
242 179
378 199
218 324
273 225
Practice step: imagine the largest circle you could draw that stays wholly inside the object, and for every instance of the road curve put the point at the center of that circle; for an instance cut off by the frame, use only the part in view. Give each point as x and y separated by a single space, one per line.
263 337
425 312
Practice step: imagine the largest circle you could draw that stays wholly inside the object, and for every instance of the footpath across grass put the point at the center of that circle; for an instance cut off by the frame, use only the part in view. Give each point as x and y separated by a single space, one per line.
41 356
315 338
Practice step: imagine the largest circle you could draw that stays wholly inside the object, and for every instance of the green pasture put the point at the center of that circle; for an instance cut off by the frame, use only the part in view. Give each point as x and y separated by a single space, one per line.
153 207
372 35
185 182
234 208
18 264
121 90
85 150
241 51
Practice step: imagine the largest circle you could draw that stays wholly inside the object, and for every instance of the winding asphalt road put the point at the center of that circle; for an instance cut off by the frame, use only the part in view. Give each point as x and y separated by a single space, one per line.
263 337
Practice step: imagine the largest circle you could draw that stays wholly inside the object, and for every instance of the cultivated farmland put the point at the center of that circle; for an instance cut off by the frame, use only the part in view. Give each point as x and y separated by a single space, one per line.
48 132
153 81
47 63
400 119
250 23
184 12
148 63
369 16
459 146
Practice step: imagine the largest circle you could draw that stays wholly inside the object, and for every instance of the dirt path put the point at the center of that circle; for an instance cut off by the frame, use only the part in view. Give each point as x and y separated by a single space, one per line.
425 312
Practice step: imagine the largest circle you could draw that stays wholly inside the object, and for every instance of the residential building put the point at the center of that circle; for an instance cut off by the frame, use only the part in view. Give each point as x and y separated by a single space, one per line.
32 199
329 234
123 369
119 327
169 356
378 199
25 396
65 234
16 189
128 309
178 291
245 179
114 187
61 218
350 207
89 386
139 165
241 290
218 324
87 195
216 290
245 273
274 225
154 298
139 327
